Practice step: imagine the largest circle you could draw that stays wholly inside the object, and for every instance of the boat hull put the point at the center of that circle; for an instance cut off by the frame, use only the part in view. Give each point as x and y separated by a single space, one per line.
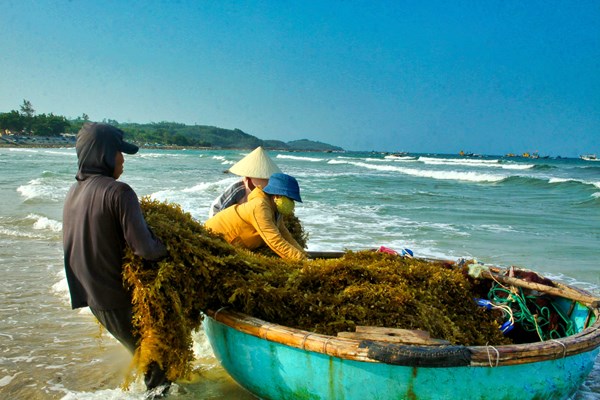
276 371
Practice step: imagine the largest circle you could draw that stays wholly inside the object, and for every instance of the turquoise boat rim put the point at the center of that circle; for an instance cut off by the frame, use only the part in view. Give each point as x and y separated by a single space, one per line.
377 351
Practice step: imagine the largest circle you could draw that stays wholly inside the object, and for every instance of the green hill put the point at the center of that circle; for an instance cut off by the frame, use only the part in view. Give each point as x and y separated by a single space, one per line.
309 145
172 133
25 127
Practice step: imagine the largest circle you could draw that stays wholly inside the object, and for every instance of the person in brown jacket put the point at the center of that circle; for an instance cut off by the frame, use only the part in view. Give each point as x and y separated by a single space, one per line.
259 221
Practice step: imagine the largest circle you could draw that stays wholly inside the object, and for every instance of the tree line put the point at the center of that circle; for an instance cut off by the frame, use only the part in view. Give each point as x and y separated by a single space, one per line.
25 122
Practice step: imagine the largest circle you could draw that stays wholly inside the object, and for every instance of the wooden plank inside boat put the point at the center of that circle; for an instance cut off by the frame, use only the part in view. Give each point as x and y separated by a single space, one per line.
393 335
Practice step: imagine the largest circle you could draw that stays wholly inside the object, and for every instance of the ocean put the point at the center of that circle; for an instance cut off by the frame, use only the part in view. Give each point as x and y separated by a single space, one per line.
542 214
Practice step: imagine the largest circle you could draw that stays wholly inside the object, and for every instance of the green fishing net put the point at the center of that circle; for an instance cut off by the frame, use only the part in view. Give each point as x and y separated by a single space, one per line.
203 272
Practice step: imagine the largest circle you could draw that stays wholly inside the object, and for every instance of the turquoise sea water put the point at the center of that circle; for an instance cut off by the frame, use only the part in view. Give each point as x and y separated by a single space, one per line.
543 214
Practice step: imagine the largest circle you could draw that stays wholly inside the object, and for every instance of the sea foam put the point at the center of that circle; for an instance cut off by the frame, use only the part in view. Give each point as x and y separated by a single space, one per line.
311 159
7 379
44 188
474 163
441 175
563 180
400 158
157 155
44 223
23 150
19 234
64 152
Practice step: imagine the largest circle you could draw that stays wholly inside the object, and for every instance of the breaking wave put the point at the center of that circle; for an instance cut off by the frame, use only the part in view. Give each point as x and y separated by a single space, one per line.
299 158
433 174
475 163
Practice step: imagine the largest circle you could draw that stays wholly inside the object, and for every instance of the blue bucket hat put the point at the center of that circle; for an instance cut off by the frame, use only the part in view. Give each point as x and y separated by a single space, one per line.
283 185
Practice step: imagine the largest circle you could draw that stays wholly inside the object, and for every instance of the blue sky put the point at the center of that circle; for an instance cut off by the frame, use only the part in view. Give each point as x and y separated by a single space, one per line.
489 77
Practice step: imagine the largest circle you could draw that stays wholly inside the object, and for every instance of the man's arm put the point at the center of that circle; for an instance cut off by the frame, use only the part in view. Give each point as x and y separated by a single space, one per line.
137 234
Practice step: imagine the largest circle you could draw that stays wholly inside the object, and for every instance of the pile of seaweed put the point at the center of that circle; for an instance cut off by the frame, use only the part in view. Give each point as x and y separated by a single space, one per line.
204 272
294 226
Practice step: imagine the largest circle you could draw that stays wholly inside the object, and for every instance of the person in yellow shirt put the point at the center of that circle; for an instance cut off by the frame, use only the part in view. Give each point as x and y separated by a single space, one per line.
259 221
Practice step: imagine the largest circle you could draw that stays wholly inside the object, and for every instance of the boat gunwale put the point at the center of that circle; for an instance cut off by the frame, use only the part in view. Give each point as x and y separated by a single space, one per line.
356 349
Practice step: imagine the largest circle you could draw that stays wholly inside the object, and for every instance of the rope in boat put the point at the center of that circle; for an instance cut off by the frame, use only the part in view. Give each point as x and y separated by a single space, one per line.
529 314
487 347
564 347
304 340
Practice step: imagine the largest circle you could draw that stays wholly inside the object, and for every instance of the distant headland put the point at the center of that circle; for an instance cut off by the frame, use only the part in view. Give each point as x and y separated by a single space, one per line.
25 128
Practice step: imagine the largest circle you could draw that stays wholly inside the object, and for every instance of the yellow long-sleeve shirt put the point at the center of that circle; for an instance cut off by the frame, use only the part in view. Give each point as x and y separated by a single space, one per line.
253 224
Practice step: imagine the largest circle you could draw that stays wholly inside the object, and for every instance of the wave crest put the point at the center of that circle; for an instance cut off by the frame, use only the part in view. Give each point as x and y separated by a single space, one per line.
299 158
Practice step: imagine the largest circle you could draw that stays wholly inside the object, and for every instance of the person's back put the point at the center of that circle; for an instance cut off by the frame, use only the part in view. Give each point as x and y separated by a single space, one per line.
101 216
93 240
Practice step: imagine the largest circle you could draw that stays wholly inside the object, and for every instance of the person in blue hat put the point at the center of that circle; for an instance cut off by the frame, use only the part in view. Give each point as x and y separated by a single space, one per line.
259 221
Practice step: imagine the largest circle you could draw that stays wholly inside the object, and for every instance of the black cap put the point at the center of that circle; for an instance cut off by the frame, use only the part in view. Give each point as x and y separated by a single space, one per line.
126 147
109 133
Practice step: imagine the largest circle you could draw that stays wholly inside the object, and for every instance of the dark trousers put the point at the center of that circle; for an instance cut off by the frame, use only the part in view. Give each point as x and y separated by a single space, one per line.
118 323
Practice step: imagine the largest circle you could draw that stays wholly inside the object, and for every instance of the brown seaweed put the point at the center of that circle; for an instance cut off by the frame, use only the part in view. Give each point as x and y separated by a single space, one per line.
204 272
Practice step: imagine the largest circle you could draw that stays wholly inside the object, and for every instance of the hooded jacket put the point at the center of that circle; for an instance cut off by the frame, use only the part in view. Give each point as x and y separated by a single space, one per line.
101 216
255 223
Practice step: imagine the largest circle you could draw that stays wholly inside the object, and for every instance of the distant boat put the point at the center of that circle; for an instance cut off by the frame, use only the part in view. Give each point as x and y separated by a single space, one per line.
589 157
465 154
533 155
402 154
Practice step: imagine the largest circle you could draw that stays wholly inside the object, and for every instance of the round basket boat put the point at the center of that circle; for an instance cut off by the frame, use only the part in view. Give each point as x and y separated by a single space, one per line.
277 362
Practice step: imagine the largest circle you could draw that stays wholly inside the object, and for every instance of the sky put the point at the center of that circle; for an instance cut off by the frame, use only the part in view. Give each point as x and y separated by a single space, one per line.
489 77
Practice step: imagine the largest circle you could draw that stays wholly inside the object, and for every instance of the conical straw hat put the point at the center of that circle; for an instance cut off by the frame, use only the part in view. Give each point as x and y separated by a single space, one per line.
255 165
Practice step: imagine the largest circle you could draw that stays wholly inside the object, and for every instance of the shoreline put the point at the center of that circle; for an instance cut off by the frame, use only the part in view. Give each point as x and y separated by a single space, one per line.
62 142
4 144
55 143
69 140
